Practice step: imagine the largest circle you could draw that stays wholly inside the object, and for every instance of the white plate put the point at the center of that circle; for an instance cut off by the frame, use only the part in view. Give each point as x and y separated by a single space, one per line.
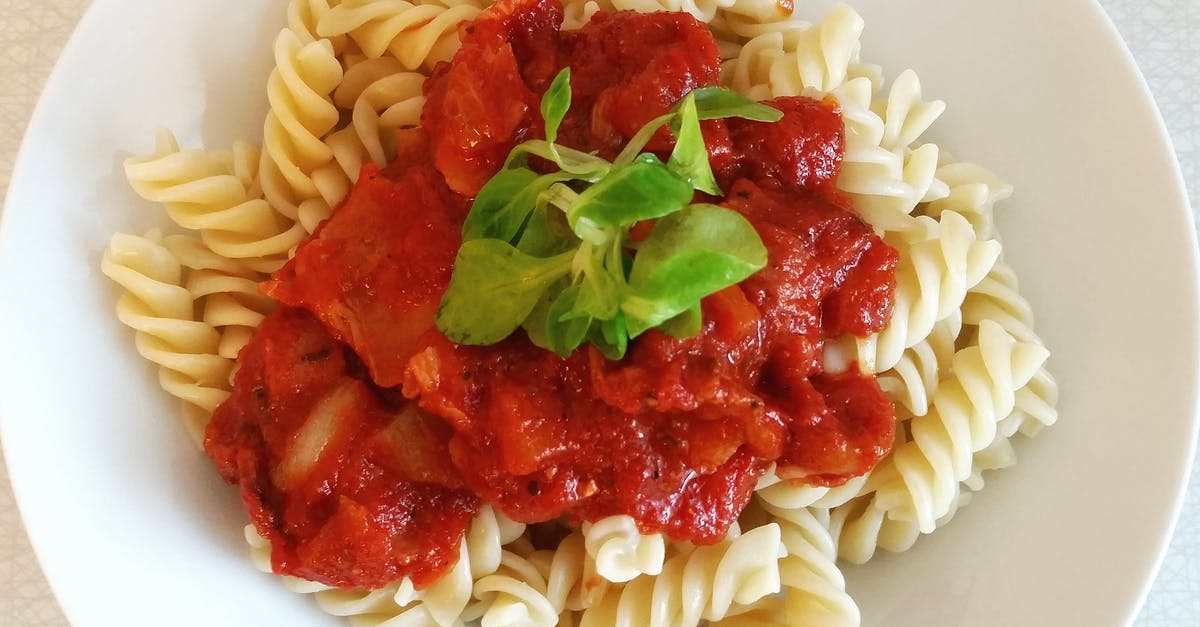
133 527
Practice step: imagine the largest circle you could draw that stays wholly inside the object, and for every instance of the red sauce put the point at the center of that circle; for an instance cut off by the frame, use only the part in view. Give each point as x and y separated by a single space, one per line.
676 434
376 274
350 484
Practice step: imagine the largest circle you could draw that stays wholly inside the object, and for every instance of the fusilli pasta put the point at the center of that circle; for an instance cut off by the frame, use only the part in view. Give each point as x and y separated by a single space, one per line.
923 475
162 311
703 584
215 194
620 551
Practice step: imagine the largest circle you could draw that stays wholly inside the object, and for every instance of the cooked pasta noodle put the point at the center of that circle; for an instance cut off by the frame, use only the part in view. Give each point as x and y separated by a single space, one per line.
302 112
415 34
972 191
782 494
210 193
922 476
939 262
161 310
913 380
703 584
515 595
703 10
815 591
620 551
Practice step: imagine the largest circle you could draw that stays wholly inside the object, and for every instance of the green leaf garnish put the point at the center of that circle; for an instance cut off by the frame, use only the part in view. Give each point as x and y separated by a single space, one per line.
566 327
493 289
555 103
502 206
610 336
686 324
551 253
546 233
642 190
718 102
690 157
689 255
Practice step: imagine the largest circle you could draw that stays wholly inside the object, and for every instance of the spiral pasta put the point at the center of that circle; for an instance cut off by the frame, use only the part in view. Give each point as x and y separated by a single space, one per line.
620 551
303 17
750 18
415 34
971 191
792 58
815 590
703 584
922 476
820 58
915 377
215 194
161 310
576 13
515 595
939 262
226 291
784 495
302 112
906 116
997 298
703 10
886 180
860 528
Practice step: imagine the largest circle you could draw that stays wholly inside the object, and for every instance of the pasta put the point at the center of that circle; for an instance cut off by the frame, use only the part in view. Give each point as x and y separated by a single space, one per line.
959 359
972 192
214 194
302 112
162 311
916 376
939 262
415 34
704 583
962 420
619 551
232 303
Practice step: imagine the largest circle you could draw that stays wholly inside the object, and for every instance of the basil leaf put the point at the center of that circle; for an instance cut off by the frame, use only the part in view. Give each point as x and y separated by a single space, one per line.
610 337
690 157
686 324
689 255
719 102
502 205
565 329
555 103
492 290
641 190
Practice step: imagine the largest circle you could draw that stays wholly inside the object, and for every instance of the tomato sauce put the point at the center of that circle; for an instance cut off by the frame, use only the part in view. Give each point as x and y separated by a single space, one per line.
348 482
675 435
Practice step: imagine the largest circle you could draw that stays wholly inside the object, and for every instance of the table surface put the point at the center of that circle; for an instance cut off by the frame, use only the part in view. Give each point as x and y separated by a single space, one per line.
1161 34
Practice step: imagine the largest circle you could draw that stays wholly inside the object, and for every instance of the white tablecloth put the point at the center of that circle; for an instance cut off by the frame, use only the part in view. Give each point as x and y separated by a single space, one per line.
1163 34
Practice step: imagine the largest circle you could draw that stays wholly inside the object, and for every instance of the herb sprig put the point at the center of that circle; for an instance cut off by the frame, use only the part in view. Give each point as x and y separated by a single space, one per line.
552 253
